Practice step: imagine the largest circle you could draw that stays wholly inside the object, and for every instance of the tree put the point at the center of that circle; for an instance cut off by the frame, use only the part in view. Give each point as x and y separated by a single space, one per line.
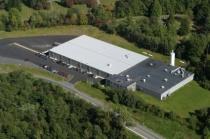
14 18
155 9
184 28
46 5
14 4
2 4
69 3
83 20
195 48
74 19
2 26
39 6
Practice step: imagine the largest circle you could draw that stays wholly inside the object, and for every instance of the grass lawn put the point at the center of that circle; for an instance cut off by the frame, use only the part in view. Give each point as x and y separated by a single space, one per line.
166 128
38 72
187 99
108 2
132 135
169 129
88 89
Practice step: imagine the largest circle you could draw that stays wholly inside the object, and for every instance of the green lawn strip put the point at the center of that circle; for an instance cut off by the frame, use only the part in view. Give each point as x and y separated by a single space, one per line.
108 2
166 128
187 99
88 89
38 72
132 135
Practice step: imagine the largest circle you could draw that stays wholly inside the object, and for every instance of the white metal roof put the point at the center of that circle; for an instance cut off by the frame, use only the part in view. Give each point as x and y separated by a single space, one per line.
98 54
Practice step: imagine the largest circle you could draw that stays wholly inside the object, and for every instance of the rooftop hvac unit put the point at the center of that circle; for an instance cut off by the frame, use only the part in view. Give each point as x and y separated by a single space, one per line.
127 56
144 80
128 79
127 76
165 79
162 87
110 64
148 75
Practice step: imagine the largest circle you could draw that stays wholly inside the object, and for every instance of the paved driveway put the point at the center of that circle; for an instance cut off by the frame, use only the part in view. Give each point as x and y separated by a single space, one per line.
7 49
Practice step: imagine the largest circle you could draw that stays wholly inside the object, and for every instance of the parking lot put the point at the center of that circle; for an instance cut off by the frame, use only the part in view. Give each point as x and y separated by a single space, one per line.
7 49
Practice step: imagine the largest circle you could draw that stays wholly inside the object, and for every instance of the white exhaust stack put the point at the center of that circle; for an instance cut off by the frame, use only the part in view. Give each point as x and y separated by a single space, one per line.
172 58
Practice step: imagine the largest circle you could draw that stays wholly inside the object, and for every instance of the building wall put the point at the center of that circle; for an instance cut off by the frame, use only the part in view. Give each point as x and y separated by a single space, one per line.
79 65
147 91
132 87
176 87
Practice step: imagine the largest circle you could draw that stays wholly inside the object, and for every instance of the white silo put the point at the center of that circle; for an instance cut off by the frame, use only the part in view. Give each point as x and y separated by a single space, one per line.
172 63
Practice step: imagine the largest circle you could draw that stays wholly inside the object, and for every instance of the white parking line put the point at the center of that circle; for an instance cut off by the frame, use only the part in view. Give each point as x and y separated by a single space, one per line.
26 47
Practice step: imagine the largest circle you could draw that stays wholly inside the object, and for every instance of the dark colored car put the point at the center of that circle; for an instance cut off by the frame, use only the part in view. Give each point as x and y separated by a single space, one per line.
46 57
65 75
45 66
27 59
39 54
58 62
59 72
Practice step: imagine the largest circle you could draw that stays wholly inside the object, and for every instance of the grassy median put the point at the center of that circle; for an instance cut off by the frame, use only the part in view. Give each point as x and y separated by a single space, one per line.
34 71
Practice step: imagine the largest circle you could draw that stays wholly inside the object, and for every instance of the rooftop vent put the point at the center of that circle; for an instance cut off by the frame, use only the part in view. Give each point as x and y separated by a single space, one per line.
151 64
119 81
148 75
128 79
110 64
144 80
165 79
162 87
188 75
165 70
127 76
127 56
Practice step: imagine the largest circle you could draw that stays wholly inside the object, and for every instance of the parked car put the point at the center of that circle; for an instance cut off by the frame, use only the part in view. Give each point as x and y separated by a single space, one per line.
27 59
68 75
54 60
65 74
58 62
59 72
45 66
52 70
63 64
69 66
39 54
56 44
46 57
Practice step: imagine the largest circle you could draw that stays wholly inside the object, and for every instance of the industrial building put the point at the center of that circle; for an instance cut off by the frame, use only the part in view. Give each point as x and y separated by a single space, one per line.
123 68
95 56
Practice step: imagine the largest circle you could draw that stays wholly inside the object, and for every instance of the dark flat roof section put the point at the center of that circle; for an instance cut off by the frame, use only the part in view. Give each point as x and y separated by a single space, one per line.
152 75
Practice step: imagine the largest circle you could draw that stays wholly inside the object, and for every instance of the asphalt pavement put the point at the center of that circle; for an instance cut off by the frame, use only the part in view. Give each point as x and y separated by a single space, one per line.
10 50
10 53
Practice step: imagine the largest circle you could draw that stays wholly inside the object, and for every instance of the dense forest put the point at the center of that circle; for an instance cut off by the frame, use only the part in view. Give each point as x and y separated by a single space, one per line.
31 109
159 25
199 120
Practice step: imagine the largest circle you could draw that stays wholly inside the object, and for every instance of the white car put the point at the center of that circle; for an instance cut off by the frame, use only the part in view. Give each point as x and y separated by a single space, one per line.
69 66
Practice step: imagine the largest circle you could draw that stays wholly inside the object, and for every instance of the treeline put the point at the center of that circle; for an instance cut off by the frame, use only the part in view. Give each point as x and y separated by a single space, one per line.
36 4
187 34
199 120
31 109
70 3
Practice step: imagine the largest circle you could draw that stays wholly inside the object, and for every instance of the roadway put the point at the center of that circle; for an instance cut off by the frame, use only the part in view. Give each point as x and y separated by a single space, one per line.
17 55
